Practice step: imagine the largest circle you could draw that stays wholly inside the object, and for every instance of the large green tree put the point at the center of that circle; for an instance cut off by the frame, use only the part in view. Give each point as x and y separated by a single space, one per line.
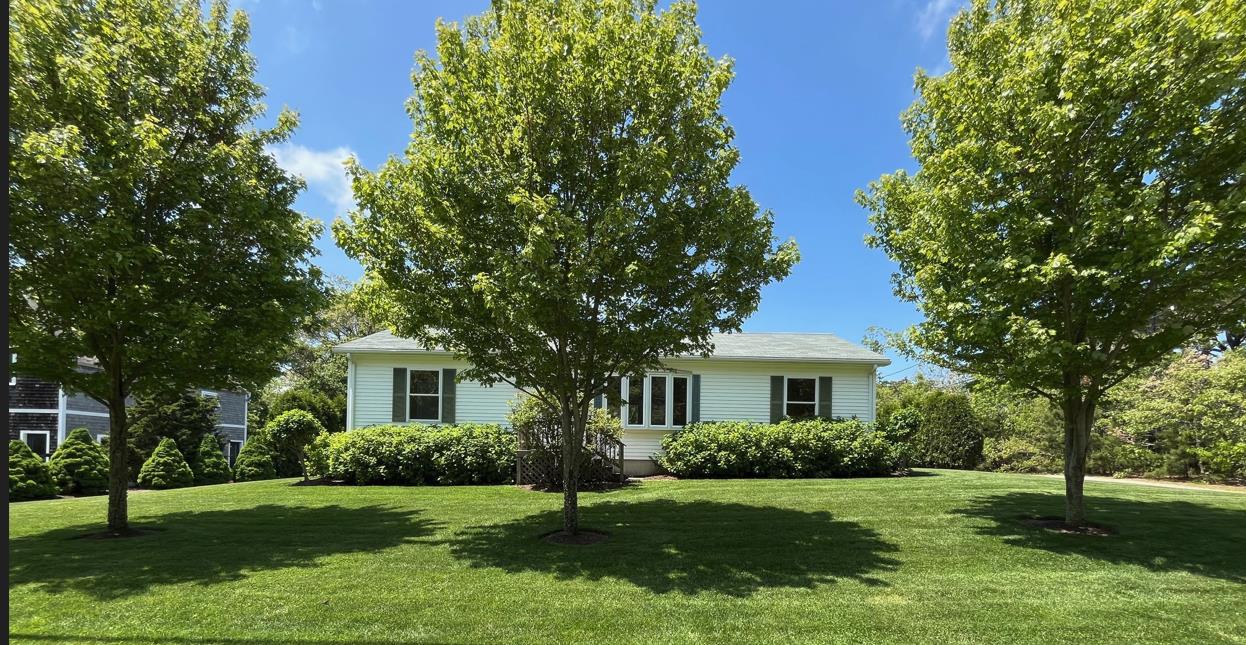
564 211
149 228
1079 209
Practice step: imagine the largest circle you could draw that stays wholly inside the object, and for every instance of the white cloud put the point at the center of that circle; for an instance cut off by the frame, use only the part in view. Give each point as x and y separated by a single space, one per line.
321 169
934 16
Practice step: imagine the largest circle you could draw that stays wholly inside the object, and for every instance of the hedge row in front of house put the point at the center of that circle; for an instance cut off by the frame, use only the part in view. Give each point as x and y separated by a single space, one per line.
472 453
788 449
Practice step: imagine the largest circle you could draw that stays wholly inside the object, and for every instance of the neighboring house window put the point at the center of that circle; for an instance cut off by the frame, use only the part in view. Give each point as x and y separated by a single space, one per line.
658 400
12 361
234 448
38 440
801 398
425 399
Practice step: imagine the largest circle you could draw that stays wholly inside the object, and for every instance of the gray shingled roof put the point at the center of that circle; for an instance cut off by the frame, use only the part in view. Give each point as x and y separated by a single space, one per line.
743 346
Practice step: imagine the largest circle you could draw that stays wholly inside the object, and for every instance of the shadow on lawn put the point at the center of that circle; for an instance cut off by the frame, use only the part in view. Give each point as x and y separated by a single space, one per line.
206 548
687 547
1159 535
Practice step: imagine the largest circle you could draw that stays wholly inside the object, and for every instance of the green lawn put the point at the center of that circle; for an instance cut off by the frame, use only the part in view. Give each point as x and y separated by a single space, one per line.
934 557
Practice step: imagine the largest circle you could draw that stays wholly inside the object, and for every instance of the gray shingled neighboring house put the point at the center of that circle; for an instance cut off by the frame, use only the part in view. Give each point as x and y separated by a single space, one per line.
42 414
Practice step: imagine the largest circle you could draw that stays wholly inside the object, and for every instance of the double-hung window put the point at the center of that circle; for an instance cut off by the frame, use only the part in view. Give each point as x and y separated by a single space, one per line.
800 397
424 402
656 400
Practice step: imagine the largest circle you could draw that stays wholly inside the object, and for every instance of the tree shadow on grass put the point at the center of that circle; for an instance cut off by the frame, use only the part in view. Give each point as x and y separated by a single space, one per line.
687 547
206 547
1158 535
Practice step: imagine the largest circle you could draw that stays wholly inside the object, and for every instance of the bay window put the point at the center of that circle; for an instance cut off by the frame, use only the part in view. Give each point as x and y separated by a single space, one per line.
656 400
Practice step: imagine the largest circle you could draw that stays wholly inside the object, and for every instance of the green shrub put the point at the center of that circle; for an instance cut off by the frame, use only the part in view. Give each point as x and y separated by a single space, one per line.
1224 460
184 417
29 476
80 465
166 468
255 461
1018 455
1111 454
950 435
211 467
328 411
808 448
417 454
316 458
287 435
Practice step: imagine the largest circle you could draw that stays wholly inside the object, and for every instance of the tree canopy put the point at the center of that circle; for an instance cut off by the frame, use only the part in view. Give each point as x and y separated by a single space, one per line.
149 227
1079 210
564 210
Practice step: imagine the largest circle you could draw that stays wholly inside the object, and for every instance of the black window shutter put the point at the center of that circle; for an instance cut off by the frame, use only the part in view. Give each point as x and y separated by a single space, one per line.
776 399
695 414
399 413
824 397
447 395
598 402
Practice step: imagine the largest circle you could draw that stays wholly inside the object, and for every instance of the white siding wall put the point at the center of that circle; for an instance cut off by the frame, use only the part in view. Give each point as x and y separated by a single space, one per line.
730 390
374 383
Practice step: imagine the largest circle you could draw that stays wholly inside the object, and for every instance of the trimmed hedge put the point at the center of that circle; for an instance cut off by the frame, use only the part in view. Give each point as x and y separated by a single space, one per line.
211 467
809 448
166 468
416 454
29 476
80 465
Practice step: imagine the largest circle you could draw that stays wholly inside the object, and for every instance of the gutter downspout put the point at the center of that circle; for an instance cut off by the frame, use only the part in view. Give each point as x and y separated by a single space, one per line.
62 404
350 392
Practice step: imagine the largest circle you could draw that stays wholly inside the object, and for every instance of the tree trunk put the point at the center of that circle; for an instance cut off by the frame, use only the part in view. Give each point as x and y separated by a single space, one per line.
1079 415
571 442
118 460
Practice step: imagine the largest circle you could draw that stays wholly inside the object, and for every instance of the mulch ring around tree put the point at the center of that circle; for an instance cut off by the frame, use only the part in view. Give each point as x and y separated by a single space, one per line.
1058 525
580 538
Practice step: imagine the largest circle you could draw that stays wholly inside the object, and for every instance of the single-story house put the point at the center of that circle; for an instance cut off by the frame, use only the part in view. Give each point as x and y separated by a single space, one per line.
42 414
750 377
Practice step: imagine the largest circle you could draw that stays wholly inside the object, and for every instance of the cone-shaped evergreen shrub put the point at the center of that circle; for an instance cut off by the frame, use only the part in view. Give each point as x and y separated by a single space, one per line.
80 465
165 468
255 461
29 476
211 466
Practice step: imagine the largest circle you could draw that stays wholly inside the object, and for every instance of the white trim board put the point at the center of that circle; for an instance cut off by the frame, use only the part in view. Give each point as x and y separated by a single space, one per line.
85 413
34 411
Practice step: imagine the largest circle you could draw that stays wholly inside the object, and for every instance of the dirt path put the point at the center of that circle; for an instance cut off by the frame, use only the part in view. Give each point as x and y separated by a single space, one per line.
1160 483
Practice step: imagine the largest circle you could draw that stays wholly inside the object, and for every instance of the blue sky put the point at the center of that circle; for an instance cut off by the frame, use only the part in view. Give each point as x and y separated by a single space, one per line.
816 101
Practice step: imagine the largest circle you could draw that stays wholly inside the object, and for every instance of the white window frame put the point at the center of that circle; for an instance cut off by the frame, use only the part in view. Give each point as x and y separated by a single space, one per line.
99 438
440 390
814 402
47 440
647 400
12 362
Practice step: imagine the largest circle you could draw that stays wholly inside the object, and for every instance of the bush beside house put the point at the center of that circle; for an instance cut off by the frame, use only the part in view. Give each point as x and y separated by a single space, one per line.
80 465
166 468
416 454
287 436
29 476
808 448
